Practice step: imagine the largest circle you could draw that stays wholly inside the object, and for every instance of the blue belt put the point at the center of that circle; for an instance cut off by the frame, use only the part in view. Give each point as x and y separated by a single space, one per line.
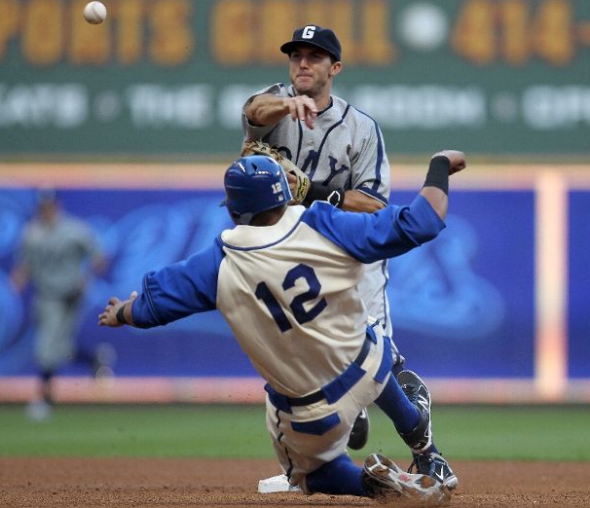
334 390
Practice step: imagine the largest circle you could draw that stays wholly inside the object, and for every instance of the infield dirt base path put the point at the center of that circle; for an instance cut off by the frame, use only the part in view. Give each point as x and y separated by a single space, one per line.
167 483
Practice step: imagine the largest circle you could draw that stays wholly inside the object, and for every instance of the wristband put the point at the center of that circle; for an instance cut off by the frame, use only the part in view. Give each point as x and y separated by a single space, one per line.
438 173
121 315
319 192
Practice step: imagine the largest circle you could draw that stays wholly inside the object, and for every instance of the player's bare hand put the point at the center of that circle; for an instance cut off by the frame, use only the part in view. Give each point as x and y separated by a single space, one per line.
109 316
456 158
302 107
292 180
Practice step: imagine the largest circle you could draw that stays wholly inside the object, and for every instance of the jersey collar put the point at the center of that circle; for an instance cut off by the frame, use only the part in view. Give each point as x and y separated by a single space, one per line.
253 237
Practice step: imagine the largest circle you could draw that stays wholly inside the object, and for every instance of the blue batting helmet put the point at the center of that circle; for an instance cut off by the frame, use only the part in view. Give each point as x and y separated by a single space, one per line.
254 184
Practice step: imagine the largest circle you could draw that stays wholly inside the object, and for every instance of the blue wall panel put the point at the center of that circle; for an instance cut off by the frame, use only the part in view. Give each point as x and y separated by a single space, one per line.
461 306
579 285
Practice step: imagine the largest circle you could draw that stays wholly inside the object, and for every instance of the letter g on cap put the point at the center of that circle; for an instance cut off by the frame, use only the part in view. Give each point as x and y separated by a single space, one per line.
308 32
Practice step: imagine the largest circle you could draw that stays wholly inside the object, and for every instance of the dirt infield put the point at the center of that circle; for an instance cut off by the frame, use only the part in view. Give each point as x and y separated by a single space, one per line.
159 483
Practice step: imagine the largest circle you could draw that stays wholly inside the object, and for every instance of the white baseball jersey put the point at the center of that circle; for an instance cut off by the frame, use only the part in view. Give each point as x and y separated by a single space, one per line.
345 149
289 292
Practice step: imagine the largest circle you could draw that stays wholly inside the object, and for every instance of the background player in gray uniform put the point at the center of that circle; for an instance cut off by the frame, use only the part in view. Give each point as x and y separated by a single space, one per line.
56 255
286 280
341 150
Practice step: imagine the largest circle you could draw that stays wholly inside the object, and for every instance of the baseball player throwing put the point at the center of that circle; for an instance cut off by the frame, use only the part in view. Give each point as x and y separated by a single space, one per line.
286 280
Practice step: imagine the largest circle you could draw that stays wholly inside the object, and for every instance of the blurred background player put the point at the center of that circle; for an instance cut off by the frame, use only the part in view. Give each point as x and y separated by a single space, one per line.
286 280
342 152
58 254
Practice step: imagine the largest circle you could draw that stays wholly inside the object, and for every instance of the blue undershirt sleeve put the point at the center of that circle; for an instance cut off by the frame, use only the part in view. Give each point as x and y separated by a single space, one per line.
369 237
179 290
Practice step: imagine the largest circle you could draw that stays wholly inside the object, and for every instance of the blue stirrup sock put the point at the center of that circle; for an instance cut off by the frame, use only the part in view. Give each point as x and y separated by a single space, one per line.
341 476
395 404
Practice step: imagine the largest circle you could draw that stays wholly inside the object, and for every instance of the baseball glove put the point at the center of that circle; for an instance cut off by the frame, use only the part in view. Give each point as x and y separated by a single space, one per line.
258 147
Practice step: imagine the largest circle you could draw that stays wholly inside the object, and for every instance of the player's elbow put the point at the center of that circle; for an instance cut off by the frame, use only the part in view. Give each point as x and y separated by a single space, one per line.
420 226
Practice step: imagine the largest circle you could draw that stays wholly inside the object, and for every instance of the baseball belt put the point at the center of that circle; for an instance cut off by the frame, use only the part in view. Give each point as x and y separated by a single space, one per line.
336 389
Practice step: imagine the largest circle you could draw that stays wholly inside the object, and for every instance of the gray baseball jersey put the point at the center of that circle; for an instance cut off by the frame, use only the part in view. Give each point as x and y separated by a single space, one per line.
345 149
55 256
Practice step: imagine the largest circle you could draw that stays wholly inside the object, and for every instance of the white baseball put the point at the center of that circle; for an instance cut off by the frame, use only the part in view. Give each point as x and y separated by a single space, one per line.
95 12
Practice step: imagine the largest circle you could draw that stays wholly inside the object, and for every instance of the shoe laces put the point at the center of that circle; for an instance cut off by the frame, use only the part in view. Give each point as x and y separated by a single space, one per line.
420 461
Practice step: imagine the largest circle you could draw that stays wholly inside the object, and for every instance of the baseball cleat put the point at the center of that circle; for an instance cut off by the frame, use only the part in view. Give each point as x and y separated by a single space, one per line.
385 481
360 431
420 438
39 410
435 466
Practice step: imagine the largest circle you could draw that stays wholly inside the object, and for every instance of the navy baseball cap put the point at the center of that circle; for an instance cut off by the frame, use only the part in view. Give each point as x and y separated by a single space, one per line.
323 38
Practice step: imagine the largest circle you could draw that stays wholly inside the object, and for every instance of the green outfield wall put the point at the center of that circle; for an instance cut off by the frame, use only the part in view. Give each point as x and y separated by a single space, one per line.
168 77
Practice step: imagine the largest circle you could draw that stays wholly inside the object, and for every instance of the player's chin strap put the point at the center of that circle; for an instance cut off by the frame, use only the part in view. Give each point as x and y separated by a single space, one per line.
319 192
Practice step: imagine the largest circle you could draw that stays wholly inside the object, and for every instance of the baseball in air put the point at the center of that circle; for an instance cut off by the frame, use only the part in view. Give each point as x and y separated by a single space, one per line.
424 26
95 12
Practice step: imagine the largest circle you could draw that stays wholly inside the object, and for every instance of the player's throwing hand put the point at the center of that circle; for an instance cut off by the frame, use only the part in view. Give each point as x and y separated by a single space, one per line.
302 107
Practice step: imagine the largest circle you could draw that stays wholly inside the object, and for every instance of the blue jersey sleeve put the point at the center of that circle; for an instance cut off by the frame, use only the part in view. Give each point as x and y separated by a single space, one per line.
369 237
179 290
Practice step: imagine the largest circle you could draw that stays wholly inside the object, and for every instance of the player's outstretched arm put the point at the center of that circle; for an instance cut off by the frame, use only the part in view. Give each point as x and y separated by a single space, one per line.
118 312
269 109
436 187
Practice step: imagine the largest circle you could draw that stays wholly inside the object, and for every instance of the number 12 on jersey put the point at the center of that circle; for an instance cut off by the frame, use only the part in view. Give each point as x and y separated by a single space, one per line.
299 313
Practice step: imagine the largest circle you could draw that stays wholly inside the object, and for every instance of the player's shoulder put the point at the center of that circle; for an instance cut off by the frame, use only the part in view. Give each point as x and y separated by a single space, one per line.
278 89
76 231
322 214
342 228
74 224
32 231
362 117
339 104
352 114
